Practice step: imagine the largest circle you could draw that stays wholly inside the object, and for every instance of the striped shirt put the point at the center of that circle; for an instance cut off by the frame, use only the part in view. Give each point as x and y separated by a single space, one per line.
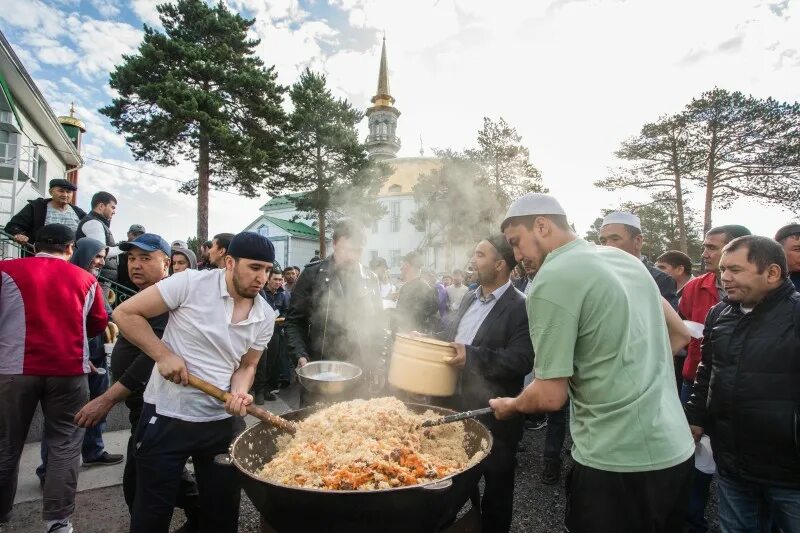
68 217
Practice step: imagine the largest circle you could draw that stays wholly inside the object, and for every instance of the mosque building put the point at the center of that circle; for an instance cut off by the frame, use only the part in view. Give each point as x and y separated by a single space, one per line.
393 235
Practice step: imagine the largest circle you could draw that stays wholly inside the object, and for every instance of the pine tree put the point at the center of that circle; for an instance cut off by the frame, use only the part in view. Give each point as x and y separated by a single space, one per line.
325 160
198 91
750 148
660 159
505 162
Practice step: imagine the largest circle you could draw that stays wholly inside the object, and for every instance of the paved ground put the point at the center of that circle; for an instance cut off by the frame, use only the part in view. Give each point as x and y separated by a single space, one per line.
100 507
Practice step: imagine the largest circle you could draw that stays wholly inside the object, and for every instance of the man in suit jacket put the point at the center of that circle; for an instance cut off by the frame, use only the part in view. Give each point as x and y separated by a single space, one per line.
493 348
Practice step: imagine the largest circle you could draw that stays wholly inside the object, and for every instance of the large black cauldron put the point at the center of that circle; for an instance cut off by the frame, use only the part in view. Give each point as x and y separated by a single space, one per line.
416 509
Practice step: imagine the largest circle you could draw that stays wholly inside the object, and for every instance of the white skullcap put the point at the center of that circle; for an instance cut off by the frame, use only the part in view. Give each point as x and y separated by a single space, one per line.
534 204
621 217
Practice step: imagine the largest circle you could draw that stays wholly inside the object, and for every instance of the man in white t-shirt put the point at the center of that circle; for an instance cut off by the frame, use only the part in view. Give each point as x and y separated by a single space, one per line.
218 327
456 291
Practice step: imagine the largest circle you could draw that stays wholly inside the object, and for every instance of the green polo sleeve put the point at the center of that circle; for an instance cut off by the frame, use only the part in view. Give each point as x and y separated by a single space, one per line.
554 331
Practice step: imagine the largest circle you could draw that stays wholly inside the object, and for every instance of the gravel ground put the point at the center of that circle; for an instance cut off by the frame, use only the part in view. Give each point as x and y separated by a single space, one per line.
538 508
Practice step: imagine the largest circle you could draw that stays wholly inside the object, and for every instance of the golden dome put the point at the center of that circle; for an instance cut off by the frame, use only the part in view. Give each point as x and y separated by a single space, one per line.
406 173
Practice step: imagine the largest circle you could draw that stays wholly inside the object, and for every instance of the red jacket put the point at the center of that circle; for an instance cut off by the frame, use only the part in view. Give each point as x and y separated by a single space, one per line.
698 297
48 309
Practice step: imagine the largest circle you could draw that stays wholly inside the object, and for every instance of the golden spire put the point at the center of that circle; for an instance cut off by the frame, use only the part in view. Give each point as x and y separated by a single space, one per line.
382 97
71 120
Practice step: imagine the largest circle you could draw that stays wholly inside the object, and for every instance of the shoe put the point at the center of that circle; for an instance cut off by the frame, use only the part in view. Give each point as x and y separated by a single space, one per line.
258 398
187 528
270 396
551 472
105 459
58 526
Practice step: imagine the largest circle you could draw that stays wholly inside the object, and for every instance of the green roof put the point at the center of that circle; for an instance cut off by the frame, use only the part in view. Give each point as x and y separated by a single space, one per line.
296 229
10 99
280 202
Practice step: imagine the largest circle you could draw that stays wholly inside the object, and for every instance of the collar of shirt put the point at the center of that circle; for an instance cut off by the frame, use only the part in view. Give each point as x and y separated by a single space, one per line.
495 294
45 254
257 312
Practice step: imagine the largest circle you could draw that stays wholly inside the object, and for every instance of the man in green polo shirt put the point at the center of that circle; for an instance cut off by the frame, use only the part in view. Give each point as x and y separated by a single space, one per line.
599 330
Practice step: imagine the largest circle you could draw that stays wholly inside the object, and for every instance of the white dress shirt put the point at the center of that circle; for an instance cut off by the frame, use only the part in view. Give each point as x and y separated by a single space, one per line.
477 312
200 331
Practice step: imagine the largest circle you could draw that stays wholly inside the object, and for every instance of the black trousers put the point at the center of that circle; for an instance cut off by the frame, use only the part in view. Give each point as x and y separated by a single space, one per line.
163 444
599 501
187 493
497 503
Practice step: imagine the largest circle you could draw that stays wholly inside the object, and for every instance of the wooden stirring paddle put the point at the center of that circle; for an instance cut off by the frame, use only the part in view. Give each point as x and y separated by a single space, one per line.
262 414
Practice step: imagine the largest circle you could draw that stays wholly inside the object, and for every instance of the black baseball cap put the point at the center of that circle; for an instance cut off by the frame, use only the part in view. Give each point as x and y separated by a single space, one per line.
251 245
55 234
58 182
149 242
137 228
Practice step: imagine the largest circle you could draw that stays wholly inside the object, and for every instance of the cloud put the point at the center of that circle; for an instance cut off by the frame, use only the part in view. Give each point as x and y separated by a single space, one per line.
102 44
57 55
32 14
146 11
106 8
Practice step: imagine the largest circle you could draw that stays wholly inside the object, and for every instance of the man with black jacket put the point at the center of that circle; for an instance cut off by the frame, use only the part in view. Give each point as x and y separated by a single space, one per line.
148 263
97 225
493 348
54 210
746 394
335 309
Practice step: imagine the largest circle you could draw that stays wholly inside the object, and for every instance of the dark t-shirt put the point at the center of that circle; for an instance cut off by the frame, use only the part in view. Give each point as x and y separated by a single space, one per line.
132 367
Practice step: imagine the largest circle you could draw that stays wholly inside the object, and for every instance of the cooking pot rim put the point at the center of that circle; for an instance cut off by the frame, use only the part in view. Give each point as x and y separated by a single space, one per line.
423 486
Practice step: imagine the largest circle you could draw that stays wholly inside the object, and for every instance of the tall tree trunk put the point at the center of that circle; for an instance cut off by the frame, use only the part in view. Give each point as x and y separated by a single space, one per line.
710 177
682 240
203 186
322 244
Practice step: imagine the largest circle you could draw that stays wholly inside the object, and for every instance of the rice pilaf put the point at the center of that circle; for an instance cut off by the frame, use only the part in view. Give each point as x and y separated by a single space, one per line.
368 445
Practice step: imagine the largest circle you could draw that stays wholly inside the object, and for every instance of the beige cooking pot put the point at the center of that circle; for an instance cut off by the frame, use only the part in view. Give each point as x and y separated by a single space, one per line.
419 366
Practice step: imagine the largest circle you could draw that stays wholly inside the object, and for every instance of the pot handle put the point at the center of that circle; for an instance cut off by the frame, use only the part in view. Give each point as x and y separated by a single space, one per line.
223 459
439 485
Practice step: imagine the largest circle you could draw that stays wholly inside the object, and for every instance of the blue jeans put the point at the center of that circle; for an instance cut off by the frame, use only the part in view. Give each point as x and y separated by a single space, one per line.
747 507
93 445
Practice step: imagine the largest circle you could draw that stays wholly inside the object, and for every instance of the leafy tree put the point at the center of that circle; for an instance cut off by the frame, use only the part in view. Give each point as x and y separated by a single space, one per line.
659 159
750 147
455 204
659 226
505 162
198 91
325 160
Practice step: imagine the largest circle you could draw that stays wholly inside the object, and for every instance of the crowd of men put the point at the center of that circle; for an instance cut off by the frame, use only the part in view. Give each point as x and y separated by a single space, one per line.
669 374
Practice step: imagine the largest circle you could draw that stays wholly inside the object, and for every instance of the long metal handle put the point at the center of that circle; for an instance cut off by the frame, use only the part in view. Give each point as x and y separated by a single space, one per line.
458 416
261 414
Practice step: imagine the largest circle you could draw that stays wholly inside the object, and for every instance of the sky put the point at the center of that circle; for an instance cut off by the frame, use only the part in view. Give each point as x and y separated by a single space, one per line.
575 77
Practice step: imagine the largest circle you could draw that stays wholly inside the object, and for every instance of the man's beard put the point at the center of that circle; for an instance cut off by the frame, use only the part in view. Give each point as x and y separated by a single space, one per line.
94 272
244 292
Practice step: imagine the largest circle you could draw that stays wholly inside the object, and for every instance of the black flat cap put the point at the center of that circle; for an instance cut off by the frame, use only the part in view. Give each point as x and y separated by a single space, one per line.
58 182
787 231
